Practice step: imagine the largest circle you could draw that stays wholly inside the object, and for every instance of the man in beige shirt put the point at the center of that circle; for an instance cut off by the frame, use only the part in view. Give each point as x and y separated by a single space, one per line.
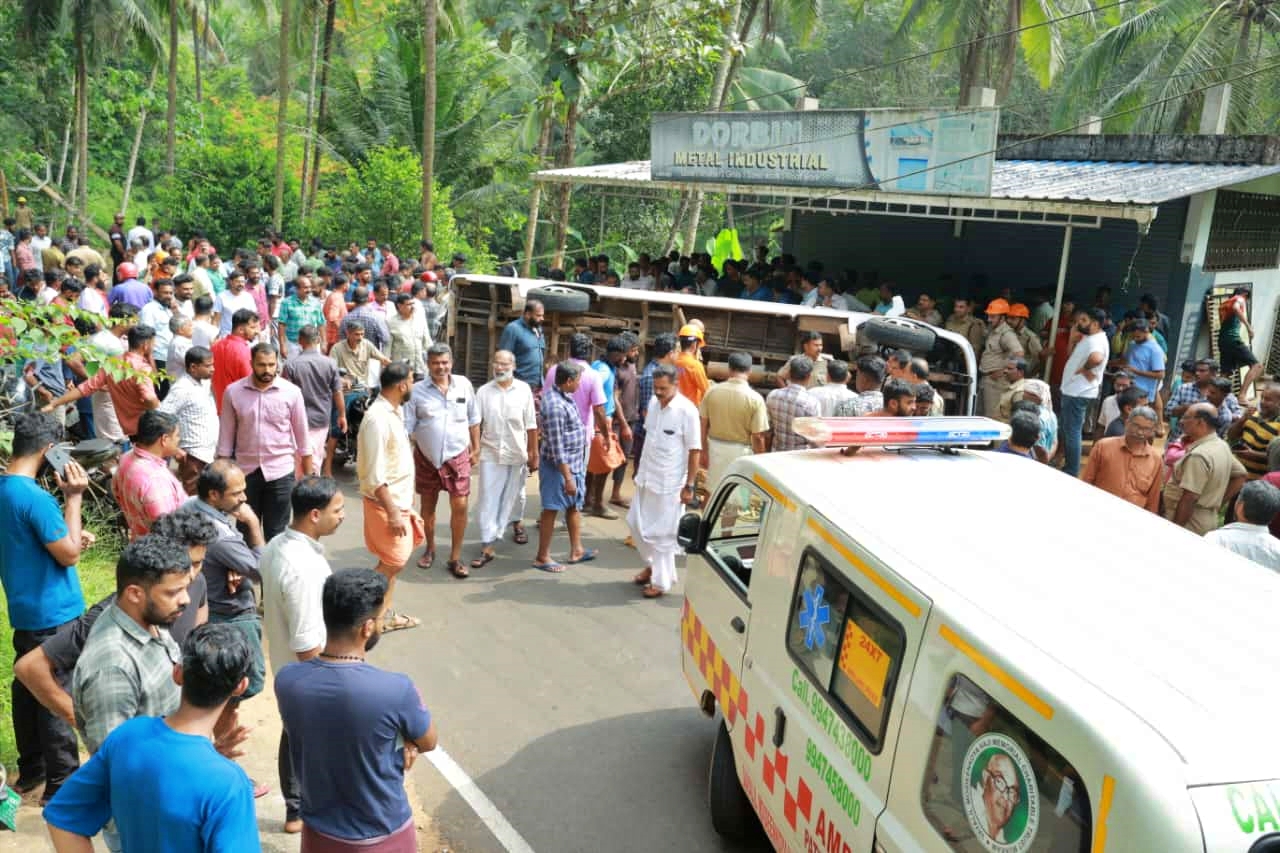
734 420
1000 348
1205 478
353 353
963 322
508 452
1015 374
384 466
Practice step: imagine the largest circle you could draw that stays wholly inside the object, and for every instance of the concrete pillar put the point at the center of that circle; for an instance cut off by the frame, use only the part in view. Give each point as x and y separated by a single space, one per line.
1093 126
806 104
981 96
1217 103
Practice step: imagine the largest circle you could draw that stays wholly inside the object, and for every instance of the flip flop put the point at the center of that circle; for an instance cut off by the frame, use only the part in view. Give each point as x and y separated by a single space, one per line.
621 503
458 570
519 536
643 578
427 558
393 621
652 591
587 556
551 568
482 561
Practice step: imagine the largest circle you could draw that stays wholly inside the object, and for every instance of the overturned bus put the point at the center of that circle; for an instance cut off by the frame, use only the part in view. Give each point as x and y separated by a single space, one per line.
484 304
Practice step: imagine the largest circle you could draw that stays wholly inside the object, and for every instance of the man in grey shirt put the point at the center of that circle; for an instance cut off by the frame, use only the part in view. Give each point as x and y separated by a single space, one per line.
317 375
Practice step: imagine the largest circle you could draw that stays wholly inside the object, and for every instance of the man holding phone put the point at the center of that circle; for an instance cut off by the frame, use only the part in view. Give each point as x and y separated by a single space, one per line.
38 554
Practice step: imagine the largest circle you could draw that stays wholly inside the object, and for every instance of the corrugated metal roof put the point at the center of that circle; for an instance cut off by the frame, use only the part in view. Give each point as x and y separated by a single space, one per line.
1030 180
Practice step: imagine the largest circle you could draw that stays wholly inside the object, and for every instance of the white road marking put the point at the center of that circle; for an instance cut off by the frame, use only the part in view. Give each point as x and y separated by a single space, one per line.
484 808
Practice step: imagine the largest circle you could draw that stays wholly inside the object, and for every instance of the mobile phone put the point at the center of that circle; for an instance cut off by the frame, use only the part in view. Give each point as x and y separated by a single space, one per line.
58 456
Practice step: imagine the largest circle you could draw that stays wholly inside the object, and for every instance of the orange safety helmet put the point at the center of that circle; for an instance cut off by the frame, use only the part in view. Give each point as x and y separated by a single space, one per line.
1017 309
688 330
998 306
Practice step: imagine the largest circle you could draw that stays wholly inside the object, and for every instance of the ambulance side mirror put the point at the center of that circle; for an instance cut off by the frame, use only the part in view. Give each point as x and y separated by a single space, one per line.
691 534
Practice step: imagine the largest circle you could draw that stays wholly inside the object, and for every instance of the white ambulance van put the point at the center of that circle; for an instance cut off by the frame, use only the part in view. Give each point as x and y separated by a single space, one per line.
939 649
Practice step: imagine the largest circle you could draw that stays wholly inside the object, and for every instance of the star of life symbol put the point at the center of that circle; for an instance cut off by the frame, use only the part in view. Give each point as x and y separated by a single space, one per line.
814 614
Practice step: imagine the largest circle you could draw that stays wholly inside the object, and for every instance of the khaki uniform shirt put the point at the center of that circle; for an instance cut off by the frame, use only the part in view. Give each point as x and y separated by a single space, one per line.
1205 470
1009 397
972 328
1031 346
734 412
1001 345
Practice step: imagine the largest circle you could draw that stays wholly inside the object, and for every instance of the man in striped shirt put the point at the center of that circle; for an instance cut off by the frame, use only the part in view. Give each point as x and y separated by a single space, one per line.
1250 435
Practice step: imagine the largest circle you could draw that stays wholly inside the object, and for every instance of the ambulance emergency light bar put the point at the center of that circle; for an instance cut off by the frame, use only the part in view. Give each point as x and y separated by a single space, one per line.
900 432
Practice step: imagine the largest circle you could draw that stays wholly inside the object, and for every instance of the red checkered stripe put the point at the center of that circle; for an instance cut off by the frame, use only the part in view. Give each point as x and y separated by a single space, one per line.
720 678
797 796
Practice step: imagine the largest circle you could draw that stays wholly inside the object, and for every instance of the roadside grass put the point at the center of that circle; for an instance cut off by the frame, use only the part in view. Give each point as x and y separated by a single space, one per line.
97 571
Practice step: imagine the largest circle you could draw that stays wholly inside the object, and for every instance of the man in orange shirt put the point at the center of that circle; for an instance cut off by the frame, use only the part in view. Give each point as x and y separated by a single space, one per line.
692 375
335 310
1127 466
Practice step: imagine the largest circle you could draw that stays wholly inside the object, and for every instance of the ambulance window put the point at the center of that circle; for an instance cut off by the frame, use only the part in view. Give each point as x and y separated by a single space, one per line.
736 520
993 784
851 648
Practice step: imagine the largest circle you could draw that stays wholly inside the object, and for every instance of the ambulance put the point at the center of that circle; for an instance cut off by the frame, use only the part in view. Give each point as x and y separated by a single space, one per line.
927 647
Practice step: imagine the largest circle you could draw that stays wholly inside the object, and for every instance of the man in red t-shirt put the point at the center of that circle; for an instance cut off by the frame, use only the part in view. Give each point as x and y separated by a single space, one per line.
231 357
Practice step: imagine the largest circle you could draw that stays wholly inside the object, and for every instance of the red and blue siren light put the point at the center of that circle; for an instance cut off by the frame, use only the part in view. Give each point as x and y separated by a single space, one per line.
921 432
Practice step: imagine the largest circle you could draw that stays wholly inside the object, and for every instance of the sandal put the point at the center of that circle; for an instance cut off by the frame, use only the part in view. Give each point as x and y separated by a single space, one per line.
519 536
552 568
652 591
393 621
458 570
620 502
427 558
643 578
483 560
587 556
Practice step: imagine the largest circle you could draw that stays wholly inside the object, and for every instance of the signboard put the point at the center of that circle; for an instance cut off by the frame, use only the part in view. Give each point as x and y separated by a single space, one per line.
943 152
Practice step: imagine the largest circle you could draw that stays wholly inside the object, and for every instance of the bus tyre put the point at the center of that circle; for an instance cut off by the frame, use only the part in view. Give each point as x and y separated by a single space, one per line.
731 811
555 298
899 332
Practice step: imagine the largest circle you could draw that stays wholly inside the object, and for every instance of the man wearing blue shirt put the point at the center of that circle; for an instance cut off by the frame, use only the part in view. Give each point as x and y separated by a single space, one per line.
523 338
38 554
351 759
1144 358
160 778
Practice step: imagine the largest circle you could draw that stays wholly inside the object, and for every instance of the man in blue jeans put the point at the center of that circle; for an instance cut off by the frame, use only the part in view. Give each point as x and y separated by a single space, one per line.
1081 381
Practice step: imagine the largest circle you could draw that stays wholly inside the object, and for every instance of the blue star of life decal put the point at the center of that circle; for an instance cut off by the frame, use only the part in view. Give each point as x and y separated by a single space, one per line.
813 615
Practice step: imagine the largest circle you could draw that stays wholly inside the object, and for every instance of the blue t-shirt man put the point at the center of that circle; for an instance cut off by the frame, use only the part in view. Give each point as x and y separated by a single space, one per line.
41 593
1145 355
349 757
609 380
529 347
169 792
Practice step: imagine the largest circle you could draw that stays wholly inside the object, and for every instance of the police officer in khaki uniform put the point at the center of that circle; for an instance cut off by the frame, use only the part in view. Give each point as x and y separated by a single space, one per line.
962 322
1001 347
1031 345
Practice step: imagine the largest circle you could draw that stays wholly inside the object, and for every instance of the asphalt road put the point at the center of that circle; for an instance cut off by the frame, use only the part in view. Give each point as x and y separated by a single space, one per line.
560 695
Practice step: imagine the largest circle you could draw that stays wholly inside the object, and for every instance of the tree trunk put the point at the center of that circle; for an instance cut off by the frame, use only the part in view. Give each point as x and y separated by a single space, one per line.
681 207
566 189
535 194
308 138
81 201
171 111
43 185
429 13
282 112
1008 50
195 49
137 143
330 18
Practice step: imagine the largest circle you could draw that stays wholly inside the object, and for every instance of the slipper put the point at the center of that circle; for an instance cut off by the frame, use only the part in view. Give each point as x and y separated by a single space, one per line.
260 790
652 591
587 556
621 503
643 578
427 558
393 621
552 568
457 569
519 536
482 561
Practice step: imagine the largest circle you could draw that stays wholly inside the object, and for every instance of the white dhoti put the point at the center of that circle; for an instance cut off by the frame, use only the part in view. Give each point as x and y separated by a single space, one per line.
501 490
654 519
720 454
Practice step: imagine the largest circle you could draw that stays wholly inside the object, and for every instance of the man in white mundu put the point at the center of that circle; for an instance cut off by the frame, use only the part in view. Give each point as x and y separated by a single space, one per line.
508 443
664 480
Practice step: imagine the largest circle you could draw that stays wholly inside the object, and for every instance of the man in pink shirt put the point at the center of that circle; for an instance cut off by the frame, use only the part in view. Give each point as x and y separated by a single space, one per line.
263 428
589 398
143 485
130 395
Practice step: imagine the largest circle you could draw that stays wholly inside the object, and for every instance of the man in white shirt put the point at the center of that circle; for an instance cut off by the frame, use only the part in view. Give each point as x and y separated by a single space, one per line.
190 399
142 234
664 480
636 281
508 451
157 313
109 341
1248 535
203 330
232 300
1081 379
1110 409
836 389
294 568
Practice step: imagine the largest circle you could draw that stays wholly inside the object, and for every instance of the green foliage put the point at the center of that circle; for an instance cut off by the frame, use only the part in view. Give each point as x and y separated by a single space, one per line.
381 197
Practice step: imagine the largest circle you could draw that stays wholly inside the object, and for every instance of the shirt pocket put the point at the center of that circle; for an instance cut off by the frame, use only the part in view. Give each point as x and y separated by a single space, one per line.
276 411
